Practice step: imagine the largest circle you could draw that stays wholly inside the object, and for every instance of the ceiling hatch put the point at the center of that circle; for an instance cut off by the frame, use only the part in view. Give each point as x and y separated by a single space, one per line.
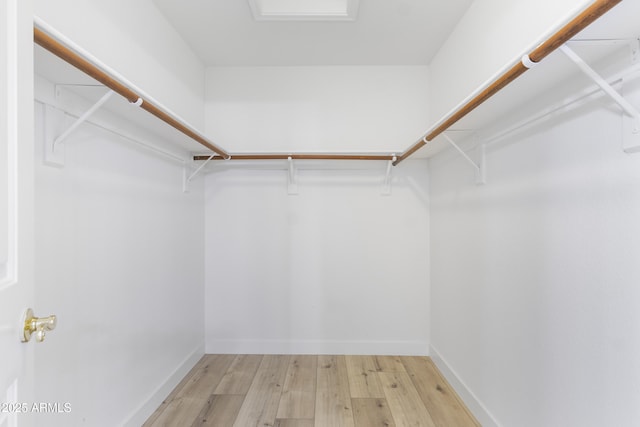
304 10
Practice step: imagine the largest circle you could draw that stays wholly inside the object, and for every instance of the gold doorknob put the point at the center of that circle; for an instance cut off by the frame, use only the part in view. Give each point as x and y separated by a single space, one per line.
39 325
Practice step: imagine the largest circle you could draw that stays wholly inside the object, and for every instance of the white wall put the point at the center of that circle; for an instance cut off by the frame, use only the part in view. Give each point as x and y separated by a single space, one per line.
492 34
134 39
338 268
334 109
119 255
119 247
534 276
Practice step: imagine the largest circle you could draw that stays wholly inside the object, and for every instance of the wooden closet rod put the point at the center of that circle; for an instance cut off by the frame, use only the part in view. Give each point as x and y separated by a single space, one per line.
584 19
67 54
302 157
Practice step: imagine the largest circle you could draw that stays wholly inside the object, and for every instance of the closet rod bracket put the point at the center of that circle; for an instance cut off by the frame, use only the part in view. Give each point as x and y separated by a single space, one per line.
386 183
635 50
292 185
188 178
83 118
626 106
479 167
630 125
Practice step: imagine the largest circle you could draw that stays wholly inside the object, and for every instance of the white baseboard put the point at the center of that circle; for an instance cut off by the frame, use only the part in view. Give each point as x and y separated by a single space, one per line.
145 410
395 348
474 404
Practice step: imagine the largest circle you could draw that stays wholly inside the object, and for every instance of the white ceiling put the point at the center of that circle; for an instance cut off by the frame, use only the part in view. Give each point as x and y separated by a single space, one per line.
386 32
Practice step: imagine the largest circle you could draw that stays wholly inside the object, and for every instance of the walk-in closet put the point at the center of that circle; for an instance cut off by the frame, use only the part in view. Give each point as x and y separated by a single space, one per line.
320 213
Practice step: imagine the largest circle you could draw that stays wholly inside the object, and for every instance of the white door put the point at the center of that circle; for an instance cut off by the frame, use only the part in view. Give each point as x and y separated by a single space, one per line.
16 207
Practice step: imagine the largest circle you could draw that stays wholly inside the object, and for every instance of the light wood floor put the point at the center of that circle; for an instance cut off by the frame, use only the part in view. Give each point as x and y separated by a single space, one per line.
308 391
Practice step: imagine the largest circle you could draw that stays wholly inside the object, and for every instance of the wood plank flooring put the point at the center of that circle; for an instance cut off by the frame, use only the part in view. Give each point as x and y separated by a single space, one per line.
312 391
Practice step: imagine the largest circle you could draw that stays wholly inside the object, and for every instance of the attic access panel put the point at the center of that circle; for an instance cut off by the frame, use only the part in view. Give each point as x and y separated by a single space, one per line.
304 10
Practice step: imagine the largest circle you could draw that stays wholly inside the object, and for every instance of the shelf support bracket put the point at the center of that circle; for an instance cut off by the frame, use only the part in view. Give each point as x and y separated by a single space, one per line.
626 106
54 119
82 118
54 154
635 50
188 179
292 185
478 168
386 183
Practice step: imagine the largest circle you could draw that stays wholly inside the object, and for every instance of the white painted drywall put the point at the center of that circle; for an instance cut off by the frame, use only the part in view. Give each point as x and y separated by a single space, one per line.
119 255
134 39
326 109
338 268
534 276
492 35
